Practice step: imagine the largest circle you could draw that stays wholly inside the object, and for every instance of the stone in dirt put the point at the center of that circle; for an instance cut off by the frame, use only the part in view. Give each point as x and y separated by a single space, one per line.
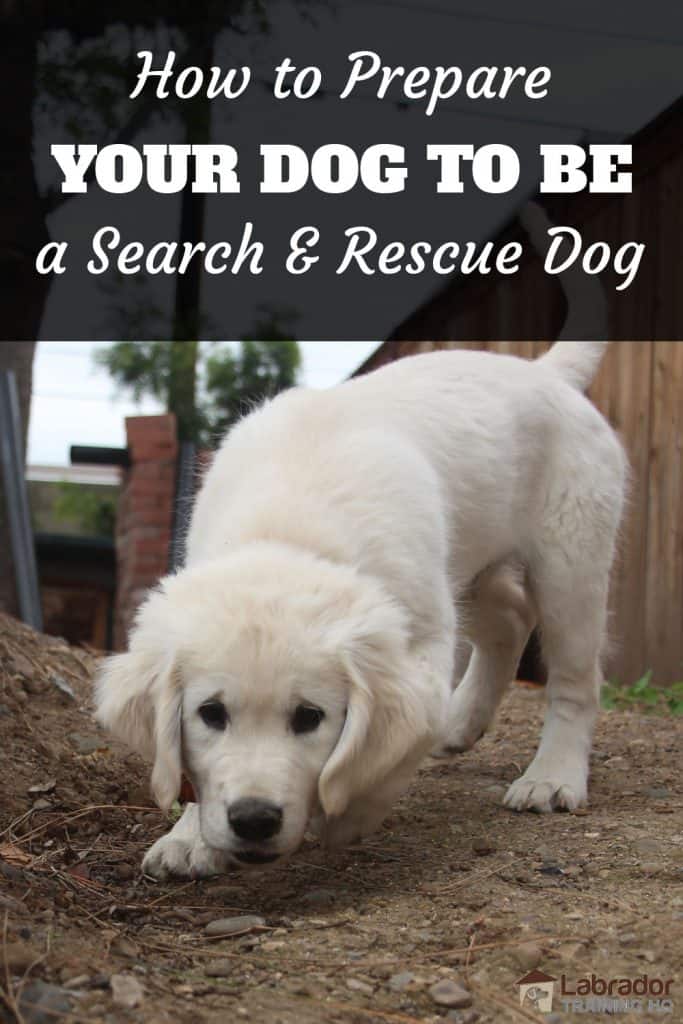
126 990
400 982
219 969
41 1003
225 926
449 993
87 744
528 955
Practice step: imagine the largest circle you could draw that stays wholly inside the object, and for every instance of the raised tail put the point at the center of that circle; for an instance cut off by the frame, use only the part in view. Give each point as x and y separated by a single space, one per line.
586 303
576 362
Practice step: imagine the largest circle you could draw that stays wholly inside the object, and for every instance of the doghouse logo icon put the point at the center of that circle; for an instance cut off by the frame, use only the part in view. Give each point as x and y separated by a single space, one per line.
536 991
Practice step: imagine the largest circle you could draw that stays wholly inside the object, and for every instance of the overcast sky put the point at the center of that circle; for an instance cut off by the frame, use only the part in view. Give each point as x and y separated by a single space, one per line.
76 402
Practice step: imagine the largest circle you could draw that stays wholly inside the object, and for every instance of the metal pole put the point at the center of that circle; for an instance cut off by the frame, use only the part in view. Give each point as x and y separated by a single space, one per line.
16 498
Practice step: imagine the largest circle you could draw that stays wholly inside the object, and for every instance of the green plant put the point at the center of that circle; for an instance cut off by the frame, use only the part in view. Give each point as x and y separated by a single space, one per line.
643 696
80 506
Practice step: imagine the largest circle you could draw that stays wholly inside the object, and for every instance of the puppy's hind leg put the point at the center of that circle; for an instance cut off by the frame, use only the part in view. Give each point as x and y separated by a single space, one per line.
182 853
573 614
499 615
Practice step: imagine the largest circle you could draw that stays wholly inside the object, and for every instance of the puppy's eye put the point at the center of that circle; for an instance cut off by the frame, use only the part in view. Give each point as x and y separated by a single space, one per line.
306 719
214 714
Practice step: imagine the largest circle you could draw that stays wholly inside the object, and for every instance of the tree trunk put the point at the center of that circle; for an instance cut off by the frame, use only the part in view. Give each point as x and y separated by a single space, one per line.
17 356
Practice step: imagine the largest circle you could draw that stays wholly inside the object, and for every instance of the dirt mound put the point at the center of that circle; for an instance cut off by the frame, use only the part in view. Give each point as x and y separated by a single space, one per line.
453 894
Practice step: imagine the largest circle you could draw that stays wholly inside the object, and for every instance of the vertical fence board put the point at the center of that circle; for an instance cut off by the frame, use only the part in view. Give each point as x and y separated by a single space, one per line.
664 581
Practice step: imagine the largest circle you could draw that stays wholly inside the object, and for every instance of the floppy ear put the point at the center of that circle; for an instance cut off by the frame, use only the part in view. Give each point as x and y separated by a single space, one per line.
389 718
138 698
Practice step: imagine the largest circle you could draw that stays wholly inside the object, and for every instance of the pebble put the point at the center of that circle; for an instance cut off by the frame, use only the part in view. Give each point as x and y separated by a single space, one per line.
462 1016
42 1003
400 982
125 947
449 993
125 872
126 990
5 709
225 926
482 848
650 868
219 969
359 986
86 744
658 793
528 955
319 897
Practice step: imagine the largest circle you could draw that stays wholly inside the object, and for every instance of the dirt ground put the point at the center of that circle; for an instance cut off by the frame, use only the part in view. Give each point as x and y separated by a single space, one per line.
454 888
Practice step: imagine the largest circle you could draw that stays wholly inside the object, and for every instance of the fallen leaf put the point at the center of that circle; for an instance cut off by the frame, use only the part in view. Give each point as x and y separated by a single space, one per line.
15 855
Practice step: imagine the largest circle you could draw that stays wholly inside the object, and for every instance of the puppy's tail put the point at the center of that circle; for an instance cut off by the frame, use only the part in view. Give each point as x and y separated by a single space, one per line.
577 360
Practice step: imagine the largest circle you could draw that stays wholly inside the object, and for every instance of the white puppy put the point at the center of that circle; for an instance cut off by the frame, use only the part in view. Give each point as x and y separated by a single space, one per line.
346 548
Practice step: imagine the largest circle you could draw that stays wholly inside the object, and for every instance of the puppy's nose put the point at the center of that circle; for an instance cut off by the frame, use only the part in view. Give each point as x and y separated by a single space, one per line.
254 819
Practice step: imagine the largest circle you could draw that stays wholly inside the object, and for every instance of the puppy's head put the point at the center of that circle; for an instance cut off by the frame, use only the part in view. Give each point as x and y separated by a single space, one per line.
280 684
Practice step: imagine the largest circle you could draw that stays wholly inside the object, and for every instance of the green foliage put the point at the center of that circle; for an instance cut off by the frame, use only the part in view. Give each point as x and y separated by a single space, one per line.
644 697
237 381
208 387
81 506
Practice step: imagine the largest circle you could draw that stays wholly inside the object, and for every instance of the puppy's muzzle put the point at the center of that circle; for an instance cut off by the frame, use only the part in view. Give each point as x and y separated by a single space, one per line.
254 820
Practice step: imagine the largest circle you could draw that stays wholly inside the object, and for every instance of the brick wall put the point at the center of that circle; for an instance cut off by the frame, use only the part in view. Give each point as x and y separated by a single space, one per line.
145 514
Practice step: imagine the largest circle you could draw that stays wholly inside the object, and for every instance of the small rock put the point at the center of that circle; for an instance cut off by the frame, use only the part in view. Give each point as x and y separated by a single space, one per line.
219 969
319 897
42 805
658 792
42 1003
528 955
615 762
125 947
124 871
126 990
5 709
449 993
359 986
225 926
462 1016
86 744
482 848
650 868
401 981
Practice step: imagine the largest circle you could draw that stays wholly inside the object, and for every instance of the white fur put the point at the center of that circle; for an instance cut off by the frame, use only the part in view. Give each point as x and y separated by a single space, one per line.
345 549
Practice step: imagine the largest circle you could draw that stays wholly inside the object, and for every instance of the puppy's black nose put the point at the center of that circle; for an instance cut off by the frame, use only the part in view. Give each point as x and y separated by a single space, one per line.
254 819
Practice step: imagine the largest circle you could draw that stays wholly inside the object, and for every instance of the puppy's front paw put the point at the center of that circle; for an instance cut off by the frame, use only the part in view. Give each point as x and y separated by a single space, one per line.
534 793
182 853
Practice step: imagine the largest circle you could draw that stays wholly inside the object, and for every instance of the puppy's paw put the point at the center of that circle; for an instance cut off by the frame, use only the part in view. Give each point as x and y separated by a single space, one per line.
534 793
178 858
182 853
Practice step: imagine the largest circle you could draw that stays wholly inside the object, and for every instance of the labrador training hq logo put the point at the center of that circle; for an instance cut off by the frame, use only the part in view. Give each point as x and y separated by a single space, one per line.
536 991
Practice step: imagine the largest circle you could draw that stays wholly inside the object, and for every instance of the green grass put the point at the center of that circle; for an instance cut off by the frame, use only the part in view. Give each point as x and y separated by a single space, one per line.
666 700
